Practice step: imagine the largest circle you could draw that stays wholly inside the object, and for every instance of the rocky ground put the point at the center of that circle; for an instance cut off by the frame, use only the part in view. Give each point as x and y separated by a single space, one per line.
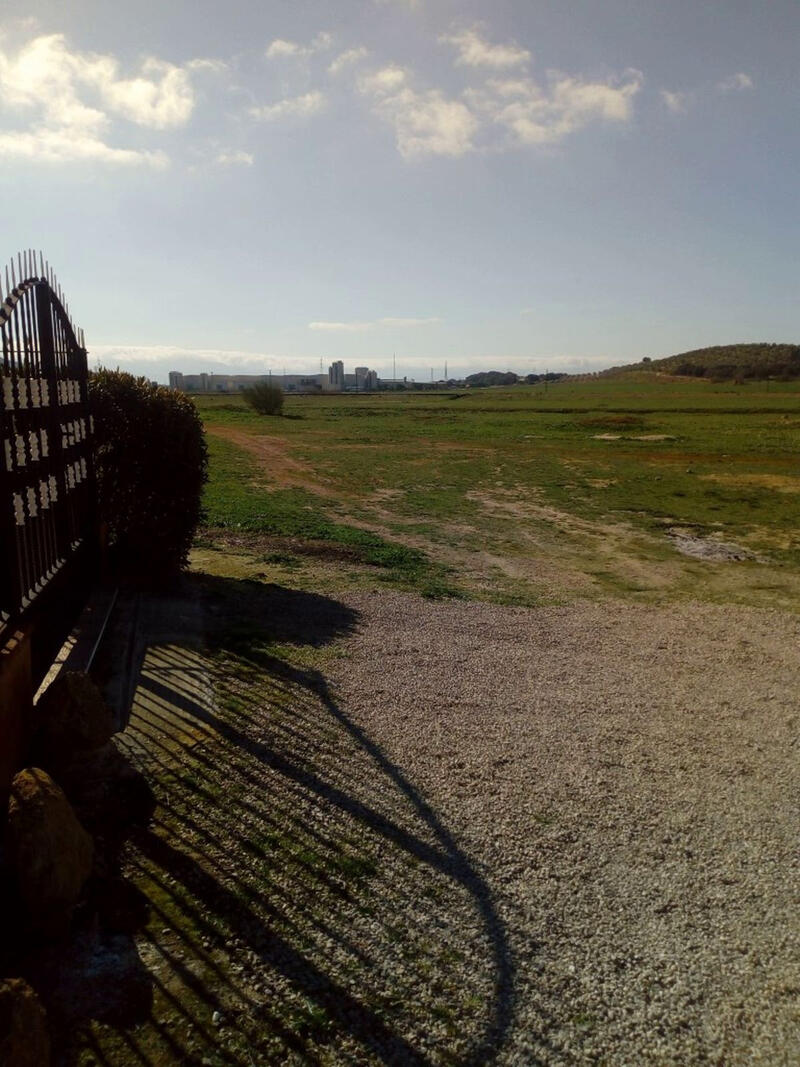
403 831
626 782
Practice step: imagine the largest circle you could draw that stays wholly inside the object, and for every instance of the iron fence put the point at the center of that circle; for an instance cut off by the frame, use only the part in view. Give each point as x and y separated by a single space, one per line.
46 475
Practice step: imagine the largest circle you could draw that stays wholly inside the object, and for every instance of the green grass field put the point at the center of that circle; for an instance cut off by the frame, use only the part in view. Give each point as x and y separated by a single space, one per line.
522 495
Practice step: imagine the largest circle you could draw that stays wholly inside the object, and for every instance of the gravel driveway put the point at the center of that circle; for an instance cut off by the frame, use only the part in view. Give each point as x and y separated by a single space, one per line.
625 781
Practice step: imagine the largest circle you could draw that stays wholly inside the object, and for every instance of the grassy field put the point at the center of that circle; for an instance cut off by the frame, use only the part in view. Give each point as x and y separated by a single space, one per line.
521 495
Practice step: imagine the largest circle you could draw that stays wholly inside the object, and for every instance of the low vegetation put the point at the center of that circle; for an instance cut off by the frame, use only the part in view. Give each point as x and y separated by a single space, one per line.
264 398
524 495
495 377
151 465
726 363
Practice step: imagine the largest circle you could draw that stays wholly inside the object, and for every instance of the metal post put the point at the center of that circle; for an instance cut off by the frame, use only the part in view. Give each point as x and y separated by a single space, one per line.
44 317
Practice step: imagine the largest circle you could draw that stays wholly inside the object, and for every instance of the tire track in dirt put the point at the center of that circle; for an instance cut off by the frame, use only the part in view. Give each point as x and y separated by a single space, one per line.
285 472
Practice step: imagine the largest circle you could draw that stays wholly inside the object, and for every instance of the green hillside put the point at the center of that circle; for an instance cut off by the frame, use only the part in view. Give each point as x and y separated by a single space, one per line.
725 362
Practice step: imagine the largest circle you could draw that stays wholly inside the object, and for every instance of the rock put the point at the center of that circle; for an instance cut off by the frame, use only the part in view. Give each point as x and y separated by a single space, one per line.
108 793
24 1040
49 852
72 718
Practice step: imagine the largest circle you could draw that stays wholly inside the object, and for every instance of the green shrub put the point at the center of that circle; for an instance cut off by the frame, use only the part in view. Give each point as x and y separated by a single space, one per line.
151 463
264 398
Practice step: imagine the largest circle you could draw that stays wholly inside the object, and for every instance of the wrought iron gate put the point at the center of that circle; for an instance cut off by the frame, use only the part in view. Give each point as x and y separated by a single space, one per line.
46 476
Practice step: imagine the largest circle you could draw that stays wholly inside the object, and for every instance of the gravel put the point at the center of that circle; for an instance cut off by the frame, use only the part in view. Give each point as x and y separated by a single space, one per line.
618 787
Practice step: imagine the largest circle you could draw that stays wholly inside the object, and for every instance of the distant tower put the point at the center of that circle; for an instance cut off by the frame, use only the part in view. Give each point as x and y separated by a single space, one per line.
336 375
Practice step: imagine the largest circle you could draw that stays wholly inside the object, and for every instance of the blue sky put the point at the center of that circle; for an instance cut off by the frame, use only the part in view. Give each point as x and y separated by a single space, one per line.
549 184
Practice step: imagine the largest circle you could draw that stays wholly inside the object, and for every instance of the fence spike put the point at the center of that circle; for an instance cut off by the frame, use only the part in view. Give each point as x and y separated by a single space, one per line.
41 264
13 276
19 265
8 287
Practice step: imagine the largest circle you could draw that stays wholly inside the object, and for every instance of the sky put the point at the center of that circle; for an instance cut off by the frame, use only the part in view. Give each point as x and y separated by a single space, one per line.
530 185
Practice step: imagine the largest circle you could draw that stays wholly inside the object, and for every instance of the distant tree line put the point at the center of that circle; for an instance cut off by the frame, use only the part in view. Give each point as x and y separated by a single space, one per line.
496 377
740 362
735 362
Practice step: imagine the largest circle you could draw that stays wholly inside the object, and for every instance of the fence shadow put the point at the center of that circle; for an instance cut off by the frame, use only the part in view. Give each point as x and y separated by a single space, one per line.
306 902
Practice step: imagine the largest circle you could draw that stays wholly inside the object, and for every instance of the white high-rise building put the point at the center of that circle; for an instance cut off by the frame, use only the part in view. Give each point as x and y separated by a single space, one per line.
336 375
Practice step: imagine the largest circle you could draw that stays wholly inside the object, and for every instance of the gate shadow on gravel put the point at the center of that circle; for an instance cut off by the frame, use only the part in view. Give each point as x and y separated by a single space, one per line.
307 904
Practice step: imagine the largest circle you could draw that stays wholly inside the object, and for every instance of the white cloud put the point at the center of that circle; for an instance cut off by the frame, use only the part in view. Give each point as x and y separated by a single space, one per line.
215 66
429 123
382 82
65 146
233 158
282 49
340 327
474 51
357 327
73 96
425 122
545 114
347 59
292 107
676 102
107 354
735 83
164 99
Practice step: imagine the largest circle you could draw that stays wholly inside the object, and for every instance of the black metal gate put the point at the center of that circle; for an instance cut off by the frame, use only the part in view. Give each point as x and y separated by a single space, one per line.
46 476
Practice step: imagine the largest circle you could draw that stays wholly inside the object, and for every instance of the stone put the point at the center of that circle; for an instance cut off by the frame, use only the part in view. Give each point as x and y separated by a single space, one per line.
108 793
72 718
24 1040
49 852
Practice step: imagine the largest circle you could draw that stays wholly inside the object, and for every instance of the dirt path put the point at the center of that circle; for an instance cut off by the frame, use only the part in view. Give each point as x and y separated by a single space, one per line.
272 453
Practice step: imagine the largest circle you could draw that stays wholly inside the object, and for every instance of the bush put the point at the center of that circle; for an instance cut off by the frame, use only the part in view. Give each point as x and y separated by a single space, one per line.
264 398
151 463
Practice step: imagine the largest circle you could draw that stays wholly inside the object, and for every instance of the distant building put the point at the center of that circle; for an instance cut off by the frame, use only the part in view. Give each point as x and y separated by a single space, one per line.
336 375
364 380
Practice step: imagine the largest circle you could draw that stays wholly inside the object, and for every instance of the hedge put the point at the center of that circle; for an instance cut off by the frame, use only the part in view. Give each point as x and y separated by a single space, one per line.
151 463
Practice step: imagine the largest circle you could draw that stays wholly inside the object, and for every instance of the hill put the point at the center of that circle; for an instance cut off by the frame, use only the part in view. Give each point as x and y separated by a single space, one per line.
724 362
